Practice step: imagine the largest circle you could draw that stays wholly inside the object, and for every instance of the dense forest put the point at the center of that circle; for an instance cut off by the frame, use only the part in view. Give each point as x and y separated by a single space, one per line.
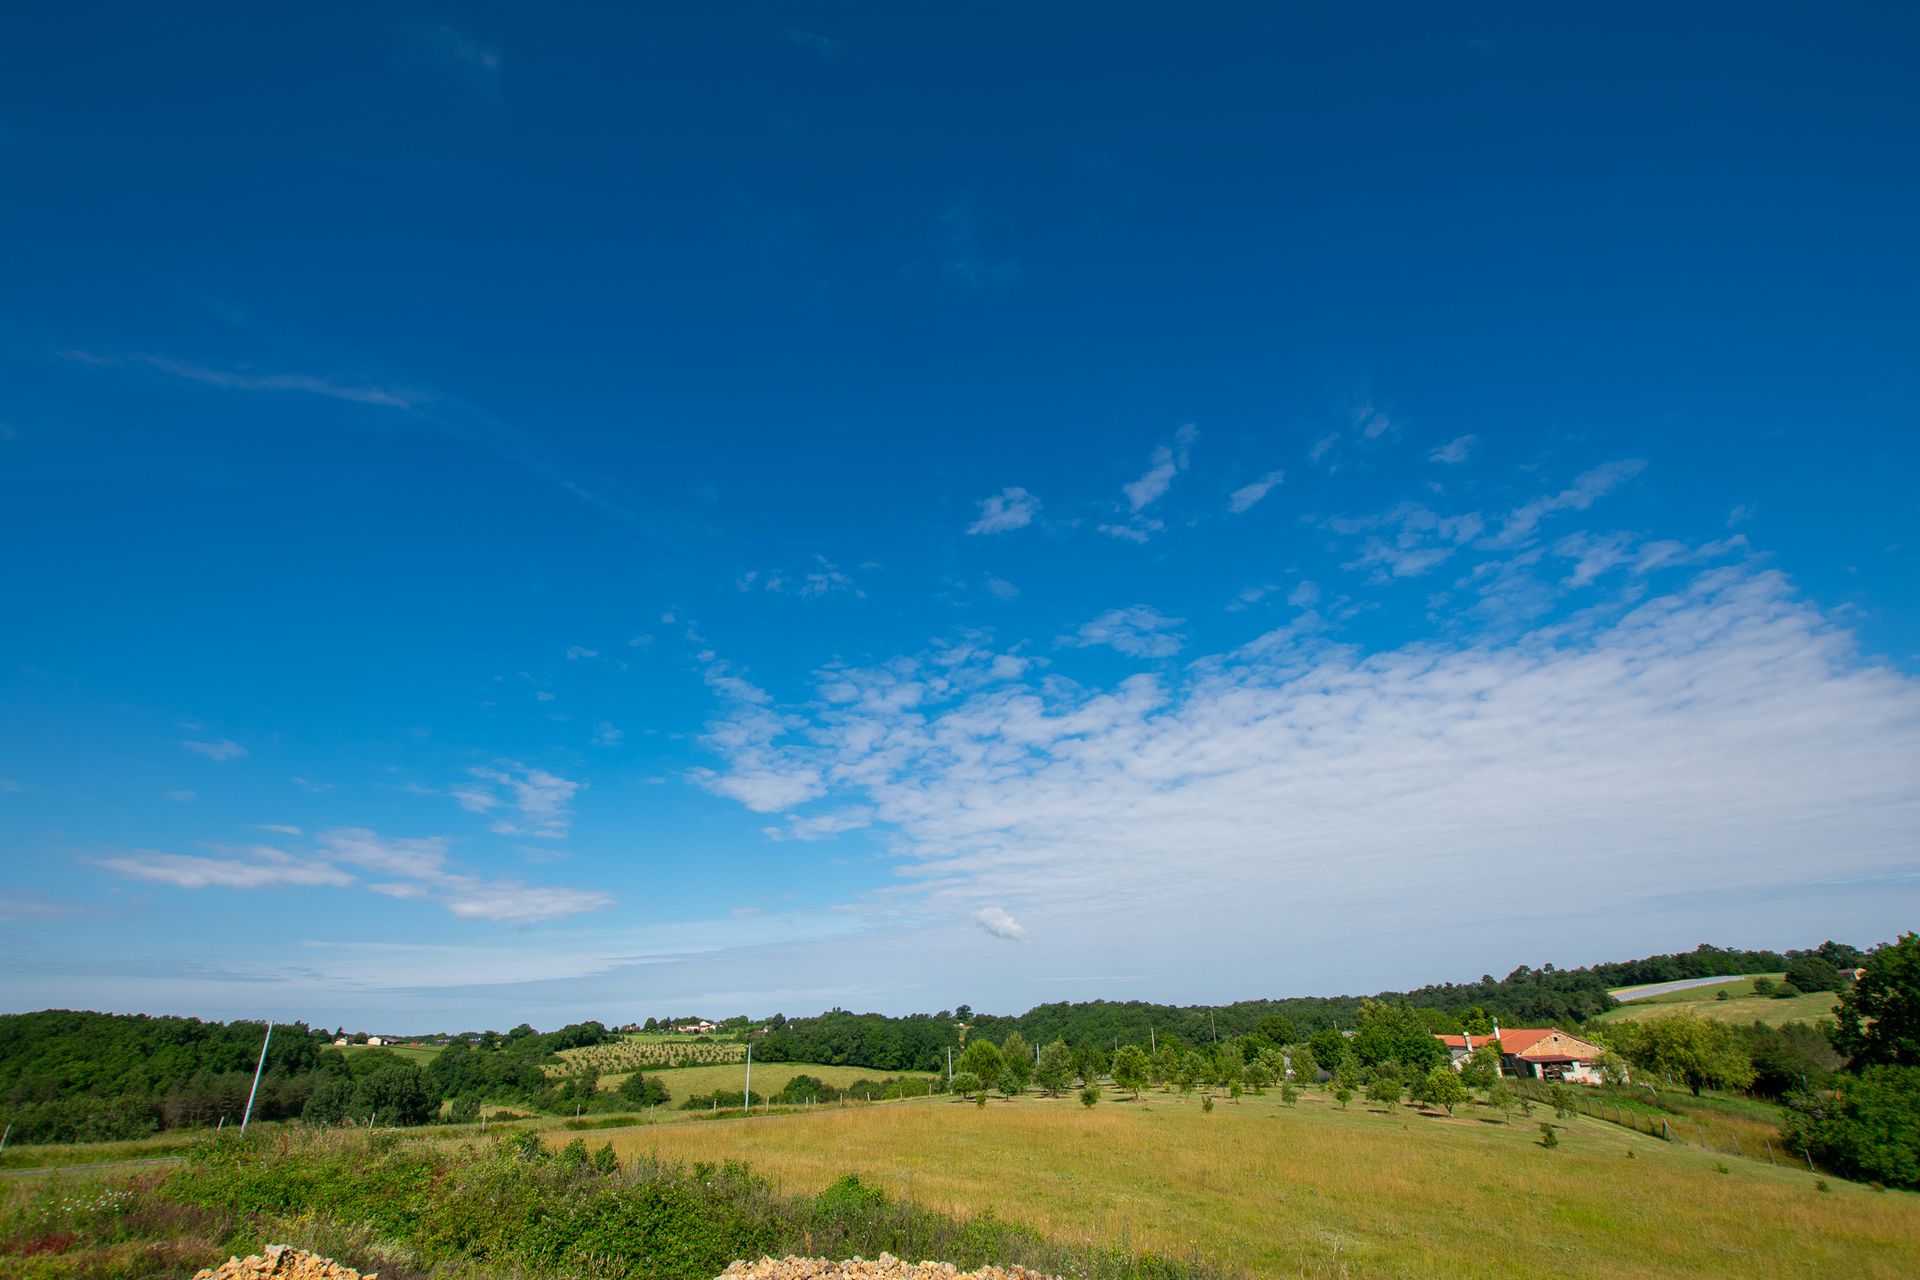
86 1077
1525 997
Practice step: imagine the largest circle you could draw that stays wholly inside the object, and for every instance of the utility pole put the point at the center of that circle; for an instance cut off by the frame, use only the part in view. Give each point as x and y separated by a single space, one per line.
949 1066
1153 1041
747 1101
1213 1027
256 1078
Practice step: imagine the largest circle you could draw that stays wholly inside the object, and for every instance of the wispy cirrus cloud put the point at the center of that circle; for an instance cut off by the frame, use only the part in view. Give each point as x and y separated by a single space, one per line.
1407 541
1011 508
257 867
1302 770
219 750
822 578
254 380
522 801
1138 632
1168 461
1248 495
1454 451
1587 488
405 868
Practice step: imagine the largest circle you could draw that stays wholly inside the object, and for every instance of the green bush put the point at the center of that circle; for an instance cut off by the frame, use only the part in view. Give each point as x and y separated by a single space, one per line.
1867 1127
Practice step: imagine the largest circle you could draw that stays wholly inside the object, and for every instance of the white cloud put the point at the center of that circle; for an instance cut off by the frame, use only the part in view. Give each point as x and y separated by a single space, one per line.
1011 508
510 902
1370 422
423 858
1587 488
1001 589
1455 450
181 797
1139 632
575 652
1552 784
530 802
1407 541
1247 597
232 380
1247 495
1139 531
260 868
605 735
1304 596
1739 516
223 750
1323 446
309 785
997 922
1168 461
822 826
823 579
278 828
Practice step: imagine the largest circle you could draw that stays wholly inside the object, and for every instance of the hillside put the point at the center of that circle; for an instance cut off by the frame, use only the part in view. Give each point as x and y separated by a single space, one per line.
1742 1005
1314 1190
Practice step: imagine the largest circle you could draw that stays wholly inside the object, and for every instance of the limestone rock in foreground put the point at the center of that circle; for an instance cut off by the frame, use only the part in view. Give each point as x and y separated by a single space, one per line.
283 1262
884 1267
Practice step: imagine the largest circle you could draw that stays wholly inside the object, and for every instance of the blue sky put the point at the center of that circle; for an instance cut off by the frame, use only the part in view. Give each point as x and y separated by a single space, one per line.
606 512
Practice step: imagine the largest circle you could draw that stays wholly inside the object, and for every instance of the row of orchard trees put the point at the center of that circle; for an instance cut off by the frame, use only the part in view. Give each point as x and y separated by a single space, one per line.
1255 1063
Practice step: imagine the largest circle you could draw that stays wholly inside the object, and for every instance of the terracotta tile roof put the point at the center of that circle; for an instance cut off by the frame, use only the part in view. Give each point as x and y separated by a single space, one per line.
1521 1041
1511 1040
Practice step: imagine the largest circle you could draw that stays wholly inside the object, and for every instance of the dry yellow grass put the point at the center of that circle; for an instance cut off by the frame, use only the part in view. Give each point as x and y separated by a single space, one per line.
1312 1190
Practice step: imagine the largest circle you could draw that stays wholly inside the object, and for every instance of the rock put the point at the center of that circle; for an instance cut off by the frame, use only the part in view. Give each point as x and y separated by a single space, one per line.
283 1262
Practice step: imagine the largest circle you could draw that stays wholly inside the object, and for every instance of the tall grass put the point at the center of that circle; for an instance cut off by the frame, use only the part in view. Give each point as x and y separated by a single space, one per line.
1317 1191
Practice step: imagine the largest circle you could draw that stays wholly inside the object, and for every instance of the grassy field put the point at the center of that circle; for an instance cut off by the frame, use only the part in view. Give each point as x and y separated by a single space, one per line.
1742 1005
1316 1191
768 1079
418 1054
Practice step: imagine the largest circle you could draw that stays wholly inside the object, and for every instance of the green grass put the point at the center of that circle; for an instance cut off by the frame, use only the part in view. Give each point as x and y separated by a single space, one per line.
1742 1005
418 1054
1313 1190
58 1155
768 1078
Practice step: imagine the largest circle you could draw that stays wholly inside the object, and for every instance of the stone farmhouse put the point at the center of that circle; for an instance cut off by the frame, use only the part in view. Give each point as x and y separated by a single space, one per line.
1533 1054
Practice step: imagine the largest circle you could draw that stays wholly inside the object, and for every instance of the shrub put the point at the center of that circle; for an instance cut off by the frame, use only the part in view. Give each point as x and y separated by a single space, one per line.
1866 1127
1089 1094
1548 1138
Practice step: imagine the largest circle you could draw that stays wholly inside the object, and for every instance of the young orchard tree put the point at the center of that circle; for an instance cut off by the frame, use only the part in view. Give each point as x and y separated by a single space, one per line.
1054 1071
1500 1097
1444 1088
1305 1069
1385 1086
1130 1068
1089 1094
1018 1056
983 1062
